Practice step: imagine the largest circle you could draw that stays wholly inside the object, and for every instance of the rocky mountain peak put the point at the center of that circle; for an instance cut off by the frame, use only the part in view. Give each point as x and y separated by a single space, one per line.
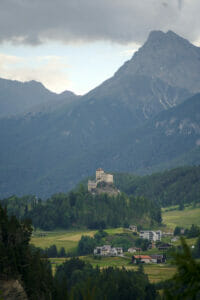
155 35
158 36
168 44
168 57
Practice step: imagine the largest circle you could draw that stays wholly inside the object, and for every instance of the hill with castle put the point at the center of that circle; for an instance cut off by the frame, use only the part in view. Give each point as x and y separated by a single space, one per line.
104 183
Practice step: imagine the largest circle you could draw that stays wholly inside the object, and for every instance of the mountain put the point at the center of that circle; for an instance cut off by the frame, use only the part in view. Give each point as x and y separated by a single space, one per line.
19 98
172 138
125 124
168 57
163 73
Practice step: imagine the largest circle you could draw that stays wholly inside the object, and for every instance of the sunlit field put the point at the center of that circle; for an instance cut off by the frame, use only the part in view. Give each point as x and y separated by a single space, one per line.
184 218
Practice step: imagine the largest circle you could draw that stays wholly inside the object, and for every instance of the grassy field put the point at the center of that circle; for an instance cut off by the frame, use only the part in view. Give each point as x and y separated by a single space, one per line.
155 272
67 239
184 218
63 238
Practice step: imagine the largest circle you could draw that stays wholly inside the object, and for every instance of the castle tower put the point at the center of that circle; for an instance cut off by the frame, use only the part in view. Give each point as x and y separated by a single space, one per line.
99 174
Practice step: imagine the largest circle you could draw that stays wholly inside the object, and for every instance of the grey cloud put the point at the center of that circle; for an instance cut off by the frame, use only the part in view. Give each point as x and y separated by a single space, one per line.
180 4
70 21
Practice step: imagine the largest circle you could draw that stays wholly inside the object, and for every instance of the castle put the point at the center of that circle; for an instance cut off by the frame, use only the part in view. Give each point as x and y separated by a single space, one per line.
101 176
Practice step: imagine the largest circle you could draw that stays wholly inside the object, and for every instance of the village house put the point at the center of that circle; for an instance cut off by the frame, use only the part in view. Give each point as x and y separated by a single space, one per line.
182 231
107 250
158 258
147 259
134 249
167 234
165 246
101 176
151 235
141 258
133 228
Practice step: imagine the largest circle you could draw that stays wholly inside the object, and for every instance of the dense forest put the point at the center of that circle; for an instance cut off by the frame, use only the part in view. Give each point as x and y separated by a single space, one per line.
180 185
81 281
20 261
79 209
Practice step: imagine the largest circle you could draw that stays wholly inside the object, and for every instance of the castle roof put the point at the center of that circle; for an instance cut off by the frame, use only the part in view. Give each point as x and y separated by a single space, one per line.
99 169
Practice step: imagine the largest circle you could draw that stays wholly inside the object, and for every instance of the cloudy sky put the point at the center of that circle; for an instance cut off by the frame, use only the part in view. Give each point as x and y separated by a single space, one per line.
77 44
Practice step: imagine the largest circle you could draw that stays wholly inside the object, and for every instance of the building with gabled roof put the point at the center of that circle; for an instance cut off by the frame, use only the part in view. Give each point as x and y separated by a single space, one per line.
141 258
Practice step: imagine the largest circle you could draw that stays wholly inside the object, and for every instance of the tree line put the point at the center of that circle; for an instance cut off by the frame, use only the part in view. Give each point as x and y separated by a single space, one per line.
81 209
173 187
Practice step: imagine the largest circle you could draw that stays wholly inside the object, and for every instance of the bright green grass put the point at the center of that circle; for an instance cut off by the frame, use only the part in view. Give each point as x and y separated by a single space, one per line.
183 218
115 230
105 262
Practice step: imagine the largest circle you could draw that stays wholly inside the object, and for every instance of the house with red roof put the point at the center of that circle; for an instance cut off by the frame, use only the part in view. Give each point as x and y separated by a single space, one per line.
142 259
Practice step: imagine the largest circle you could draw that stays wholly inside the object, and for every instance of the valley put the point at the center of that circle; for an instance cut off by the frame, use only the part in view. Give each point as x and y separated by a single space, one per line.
172 217
99 150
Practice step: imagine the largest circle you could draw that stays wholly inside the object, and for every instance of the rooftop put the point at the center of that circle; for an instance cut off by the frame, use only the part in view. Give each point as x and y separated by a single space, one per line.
142 256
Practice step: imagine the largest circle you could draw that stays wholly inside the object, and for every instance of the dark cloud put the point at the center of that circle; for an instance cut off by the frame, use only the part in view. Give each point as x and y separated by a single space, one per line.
122 21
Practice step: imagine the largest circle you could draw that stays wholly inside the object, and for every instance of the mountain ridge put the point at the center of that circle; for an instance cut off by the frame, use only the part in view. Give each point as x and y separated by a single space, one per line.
18 97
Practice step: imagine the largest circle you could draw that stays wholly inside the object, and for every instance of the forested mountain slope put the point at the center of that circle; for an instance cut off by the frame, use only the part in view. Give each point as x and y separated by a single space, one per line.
179 185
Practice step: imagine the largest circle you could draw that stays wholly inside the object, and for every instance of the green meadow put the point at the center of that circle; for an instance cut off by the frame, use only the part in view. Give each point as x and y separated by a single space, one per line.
64 238
61 238
184 218
69 239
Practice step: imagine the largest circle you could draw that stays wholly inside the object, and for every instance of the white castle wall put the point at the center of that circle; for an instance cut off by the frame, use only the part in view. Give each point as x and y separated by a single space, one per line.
100 176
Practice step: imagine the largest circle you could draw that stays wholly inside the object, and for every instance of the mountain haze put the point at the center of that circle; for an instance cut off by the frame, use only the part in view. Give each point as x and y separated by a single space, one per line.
136 121
19 98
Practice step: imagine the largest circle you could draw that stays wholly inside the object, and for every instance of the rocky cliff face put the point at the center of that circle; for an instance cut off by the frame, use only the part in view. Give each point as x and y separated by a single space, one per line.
168 57
12 290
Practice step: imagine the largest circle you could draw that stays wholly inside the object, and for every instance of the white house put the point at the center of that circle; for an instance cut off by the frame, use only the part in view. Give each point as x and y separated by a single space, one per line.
133 228
107 250
151 235
134 249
